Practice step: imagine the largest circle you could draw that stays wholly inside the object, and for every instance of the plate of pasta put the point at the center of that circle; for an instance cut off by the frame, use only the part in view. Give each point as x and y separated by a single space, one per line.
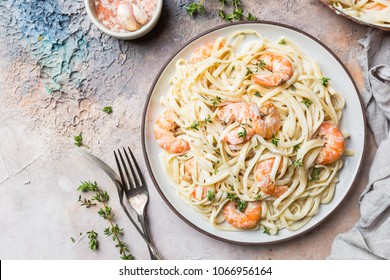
375 13
253 133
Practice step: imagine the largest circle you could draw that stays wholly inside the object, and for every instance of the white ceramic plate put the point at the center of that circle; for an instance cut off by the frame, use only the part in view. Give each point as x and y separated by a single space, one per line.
353 121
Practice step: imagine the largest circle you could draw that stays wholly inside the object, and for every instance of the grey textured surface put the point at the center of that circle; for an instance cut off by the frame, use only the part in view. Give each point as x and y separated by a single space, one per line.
53 85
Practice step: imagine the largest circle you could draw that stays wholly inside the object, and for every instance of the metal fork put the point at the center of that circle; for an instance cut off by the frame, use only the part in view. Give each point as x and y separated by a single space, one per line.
134 187
117 181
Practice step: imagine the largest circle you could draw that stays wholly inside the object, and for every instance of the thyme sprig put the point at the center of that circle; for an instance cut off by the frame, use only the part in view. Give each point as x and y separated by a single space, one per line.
93 242
235 7
106 213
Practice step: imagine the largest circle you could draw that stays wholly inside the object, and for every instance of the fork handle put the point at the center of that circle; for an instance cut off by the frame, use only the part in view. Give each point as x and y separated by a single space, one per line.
152 249
142 218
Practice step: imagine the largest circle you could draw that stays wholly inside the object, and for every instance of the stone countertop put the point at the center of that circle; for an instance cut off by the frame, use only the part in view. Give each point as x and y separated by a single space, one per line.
58 71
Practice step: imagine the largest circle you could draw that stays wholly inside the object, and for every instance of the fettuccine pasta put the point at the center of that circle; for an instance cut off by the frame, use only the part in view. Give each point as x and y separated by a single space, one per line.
250 133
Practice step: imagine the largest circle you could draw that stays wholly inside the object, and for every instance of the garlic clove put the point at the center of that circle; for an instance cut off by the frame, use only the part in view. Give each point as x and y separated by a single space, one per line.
126 17
140 15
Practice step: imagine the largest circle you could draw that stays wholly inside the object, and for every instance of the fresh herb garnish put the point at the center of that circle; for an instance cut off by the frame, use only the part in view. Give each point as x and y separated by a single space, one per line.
292 87
195 8
242 134
251 17
195 126
248 72
282 42
107 109
298 162
93 242
258 196
262 64
315 174
241 205
275 140
216 100
231 196
210 195
208 119
297 147
324 81
237 12
307 102
266 231
86 202
257 94
215 170
106 213
78 140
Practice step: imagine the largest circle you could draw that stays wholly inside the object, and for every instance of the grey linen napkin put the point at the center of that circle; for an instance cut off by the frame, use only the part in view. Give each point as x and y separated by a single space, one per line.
370 237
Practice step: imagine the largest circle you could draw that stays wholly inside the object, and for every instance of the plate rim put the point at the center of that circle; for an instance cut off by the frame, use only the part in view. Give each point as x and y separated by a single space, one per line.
361 22
147 102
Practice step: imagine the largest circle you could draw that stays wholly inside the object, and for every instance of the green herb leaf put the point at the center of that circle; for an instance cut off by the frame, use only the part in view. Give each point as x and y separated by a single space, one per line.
261 64
251 17
292 87
297 147
78 140
231 196
93 242
216 100
307 102
195 8
275 140
282 42
195 126
266 231
257 94
258 196
238 14
88 186
208 119
242 134
324 81
298 162
315 174
210 195
241 205
248 72
107 109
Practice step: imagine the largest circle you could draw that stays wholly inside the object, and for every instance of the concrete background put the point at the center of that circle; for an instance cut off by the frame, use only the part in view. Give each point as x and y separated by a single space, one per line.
57 72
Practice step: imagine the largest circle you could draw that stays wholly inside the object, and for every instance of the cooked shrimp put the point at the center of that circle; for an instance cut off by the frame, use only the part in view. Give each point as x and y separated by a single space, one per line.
263 178
244 220
375 6
199 192
270 122
164 129
243 113
203 52
333 143
264 121
280 67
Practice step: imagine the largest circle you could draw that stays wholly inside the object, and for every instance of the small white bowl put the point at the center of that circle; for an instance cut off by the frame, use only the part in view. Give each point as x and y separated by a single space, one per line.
130 35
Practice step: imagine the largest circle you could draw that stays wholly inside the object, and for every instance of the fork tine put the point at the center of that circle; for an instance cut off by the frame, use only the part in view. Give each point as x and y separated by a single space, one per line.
135 177
136 166
120 169
130 183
